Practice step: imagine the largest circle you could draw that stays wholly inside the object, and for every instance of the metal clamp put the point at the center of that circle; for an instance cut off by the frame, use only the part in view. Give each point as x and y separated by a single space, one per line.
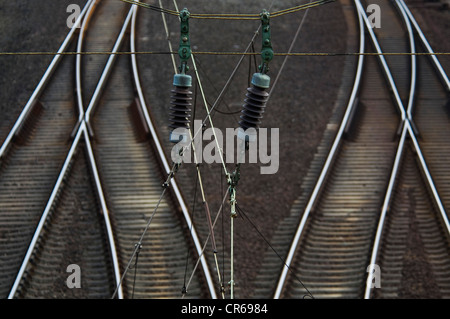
184 50
266 50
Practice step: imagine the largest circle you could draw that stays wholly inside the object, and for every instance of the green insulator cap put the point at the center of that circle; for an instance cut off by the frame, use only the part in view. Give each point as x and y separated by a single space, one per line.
261 80
183 80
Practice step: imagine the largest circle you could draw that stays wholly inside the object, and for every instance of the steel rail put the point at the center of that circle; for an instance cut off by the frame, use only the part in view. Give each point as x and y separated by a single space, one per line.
162 156
83 28
91 156
386 69
44 80
81 129
429 177
105 210
397 161
106 71
327 165
427 45
407 130
412 90
411 129
406 120
45 213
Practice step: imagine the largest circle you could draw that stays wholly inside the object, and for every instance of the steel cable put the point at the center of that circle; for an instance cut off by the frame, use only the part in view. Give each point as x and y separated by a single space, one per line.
232 16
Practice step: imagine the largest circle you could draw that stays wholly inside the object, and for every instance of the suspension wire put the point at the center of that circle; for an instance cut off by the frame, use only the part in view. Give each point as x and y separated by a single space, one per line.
231 112
231 16
138 246
270 93
211 123
166 28
223 233
223 53
208 116
176 5
225 87
214 16
291 269
207 239
184 290
298 8
205 204
135 269
199 177
249 75
254 56
152 7
289 51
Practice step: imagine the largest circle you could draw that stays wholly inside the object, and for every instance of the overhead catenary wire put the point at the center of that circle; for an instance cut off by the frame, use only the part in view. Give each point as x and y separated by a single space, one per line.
231 189
231 16
224 53
288 54
207 238
152 7
199 177
171 173
184 289
242 53
243 213
211 84
138 245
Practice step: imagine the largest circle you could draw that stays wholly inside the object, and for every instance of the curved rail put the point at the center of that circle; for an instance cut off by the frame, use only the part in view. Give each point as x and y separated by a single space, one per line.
44 80
407 130
107 70
163 158
82 130
92 161
406 120
79 99
397 161
327 165
386 69
426 44
44 216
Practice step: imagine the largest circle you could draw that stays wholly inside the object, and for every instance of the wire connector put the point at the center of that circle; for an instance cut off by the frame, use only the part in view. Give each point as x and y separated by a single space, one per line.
184 51
266 50
233 180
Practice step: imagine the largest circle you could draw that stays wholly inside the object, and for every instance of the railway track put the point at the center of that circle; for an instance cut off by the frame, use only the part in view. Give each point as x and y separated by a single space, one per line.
414 248
335 238
31 157
82 169
110 179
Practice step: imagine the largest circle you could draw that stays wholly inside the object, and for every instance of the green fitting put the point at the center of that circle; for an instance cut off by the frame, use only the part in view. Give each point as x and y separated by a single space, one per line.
266 50
183 80
261 80
184 50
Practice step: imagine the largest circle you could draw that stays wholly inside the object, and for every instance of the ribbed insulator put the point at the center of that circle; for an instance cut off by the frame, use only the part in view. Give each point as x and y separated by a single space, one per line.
253 108
180 111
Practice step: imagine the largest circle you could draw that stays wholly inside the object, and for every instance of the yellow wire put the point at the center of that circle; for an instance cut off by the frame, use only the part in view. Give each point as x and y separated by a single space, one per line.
234 16
222 53
298 8
312 5
147 6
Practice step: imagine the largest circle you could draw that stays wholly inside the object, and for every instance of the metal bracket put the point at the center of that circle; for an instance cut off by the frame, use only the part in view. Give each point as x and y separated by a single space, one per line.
233 180
184 50
266 50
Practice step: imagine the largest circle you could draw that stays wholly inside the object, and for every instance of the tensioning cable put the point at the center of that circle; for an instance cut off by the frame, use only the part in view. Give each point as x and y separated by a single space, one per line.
231 16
